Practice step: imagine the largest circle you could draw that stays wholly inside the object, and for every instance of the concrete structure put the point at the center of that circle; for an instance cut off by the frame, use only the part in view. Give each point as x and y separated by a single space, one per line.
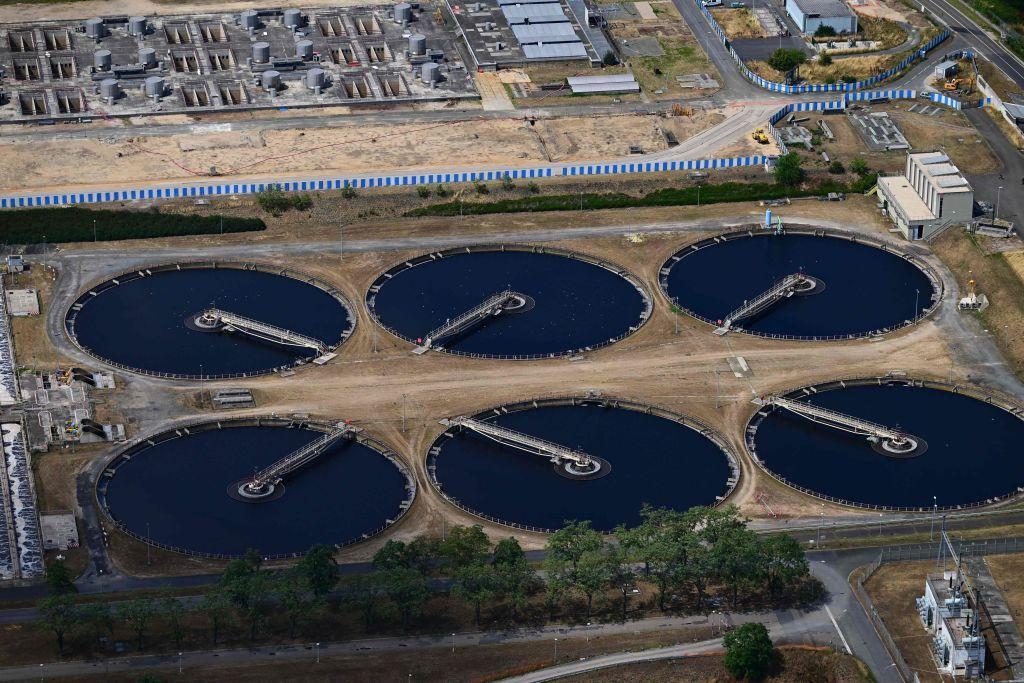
215 62
929 197
616 83
957 644
22 302
60 531
810 14
946 69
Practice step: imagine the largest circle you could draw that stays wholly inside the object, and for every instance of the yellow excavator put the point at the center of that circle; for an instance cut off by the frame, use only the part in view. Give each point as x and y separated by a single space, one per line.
760 137
951 84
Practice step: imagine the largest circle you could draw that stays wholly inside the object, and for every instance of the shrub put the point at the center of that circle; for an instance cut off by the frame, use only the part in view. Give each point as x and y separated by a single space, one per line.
785 59
749 651
837 168
610 59
423 191
75 224
481 188
825 59
507 184
824 31
349 192
788 170
859 166
848 79
533 188
442 191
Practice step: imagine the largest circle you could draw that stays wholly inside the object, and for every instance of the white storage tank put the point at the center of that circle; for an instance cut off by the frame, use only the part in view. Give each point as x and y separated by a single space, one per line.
270 79
249 19
94 28
316 78
137 26
147 57
430 73
304 49
292 18
403 13
154 86
109 89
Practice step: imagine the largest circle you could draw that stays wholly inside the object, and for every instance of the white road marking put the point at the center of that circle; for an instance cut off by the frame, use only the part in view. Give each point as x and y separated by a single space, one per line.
839 631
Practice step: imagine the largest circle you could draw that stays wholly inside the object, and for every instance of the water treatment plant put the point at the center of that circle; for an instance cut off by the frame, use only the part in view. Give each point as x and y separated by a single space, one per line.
217 489
210 320
810 285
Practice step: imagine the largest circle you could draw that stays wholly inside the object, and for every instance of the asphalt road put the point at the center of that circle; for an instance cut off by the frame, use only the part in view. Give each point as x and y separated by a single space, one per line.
1010 177
975 36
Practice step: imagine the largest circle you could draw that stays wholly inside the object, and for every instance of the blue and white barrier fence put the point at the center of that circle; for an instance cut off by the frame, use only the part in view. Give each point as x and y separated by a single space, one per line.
313 183
826 87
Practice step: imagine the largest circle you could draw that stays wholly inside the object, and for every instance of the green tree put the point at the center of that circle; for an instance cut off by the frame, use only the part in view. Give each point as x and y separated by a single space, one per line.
789 171
783 561
174 613
508 551
419 555
786 58
320 569
573 540
136 615
593 572
749 651
621 575
824 31
859 166
465 546
58 578
736 559
609 59
58 615
513 577
407 589
256 602
296 598
99 617
362 593
836 168
216 606
475 584
825 60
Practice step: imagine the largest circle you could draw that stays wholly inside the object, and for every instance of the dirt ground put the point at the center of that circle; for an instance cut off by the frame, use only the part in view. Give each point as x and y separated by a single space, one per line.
345 148
798 665
1004 318
1008 571
738 23
31 345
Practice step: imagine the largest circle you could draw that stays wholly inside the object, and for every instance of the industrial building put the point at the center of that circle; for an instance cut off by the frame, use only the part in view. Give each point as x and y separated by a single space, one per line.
957 644
810 14
511 33
931 196
110 66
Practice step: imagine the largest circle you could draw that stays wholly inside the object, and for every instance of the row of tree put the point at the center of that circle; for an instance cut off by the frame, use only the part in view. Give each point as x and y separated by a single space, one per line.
691 558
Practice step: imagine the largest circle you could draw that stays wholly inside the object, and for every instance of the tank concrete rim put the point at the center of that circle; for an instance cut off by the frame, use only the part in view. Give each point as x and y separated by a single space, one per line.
175 431
295 274
1005 403
693 423
680 254
420 259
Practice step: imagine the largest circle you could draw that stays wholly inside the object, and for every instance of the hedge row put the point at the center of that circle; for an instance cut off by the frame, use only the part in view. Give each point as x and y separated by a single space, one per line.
681 196
73 224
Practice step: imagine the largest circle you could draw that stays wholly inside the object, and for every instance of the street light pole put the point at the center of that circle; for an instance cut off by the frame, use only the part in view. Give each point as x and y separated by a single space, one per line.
453 643
556 651
935 508
179 663
995 214
318 653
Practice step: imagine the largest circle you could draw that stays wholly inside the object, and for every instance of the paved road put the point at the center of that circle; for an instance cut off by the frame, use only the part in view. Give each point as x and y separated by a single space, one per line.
1010 177
975 36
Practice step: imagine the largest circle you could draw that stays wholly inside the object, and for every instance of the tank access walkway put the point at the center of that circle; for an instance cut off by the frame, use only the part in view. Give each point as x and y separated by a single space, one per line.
569 462
496 304
263 484
890 441
784 288
215 318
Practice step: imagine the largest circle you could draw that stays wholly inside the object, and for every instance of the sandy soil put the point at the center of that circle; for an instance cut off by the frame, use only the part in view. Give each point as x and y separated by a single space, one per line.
347 149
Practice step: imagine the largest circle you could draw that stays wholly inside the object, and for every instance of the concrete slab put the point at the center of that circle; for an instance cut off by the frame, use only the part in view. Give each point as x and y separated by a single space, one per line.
22 302
60 531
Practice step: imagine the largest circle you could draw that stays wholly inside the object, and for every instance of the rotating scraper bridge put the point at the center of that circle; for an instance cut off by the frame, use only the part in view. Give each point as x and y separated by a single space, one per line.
781 289
502 302
216 319
263 485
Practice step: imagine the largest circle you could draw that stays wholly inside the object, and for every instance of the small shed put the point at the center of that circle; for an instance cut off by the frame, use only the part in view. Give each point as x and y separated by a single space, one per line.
946 69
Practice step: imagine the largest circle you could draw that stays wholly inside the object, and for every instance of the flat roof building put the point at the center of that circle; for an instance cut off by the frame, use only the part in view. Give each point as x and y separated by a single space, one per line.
810 14
958 647
930 196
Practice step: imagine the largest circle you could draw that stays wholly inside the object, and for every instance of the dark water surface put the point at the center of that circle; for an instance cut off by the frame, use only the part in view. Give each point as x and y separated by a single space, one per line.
179 488
654 460
577 304
866 289
141 322
974 449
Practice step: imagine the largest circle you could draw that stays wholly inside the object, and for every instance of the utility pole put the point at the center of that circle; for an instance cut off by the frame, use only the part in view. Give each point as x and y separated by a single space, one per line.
935 508
995 213
403 413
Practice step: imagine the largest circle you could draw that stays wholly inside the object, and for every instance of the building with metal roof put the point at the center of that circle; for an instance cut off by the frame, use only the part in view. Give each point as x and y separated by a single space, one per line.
614 83
810 14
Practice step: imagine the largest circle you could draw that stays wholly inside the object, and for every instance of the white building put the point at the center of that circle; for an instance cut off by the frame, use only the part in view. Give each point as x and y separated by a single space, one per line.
957 644
810 14
932 195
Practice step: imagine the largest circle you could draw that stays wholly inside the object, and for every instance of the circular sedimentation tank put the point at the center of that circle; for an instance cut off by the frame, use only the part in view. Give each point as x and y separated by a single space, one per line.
961 446
572 303
647 455
145 320
863 287
174 489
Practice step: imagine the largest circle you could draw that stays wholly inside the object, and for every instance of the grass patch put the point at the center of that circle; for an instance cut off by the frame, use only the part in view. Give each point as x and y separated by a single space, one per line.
73 224
887 33
738 23
681 57
681 196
